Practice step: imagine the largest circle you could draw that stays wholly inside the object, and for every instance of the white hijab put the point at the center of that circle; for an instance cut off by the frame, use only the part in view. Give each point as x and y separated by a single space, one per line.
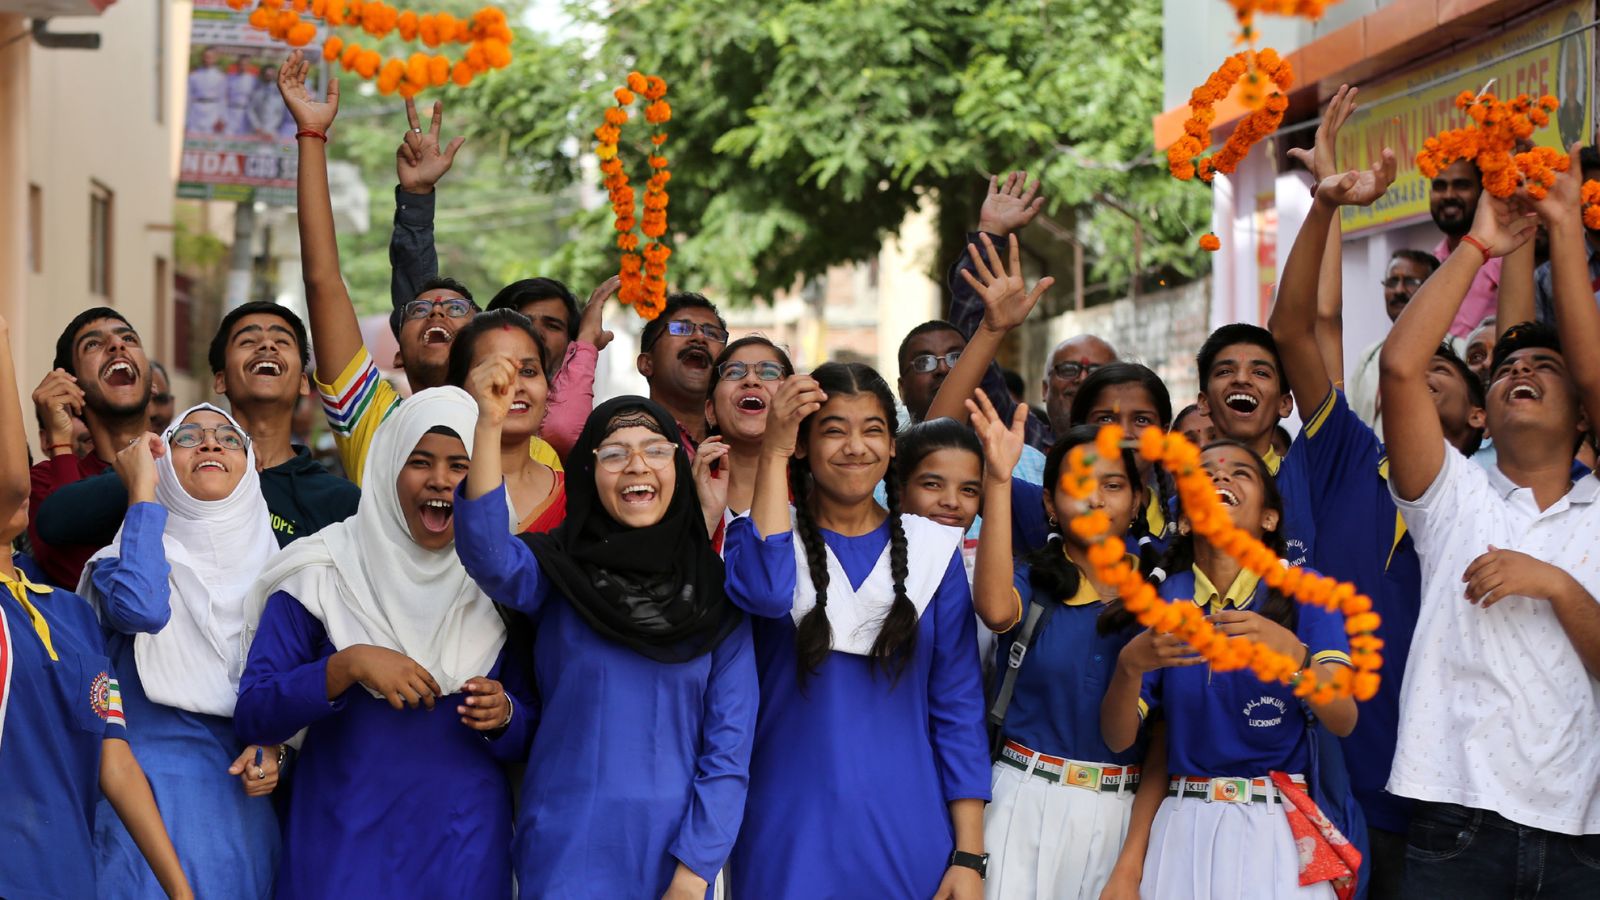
216 549
368 582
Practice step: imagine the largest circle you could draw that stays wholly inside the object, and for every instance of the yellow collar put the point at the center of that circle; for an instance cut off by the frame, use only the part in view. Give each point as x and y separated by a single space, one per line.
1153 515
1239 595
1273 461
1086 592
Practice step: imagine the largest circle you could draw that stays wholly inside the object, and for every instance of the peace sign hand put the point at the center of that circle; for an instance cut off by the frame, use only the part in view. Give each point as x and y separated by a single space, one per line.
419 162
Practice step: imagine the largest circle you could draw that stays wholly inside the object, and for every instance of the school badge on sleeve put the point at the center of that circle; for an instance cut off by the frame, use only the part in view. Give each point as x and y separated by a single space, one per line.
105 698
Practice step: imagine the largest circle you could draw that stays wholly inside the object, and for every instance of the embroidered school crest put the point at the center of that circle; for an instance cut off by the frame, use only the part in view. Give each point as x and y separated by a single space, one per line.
100 695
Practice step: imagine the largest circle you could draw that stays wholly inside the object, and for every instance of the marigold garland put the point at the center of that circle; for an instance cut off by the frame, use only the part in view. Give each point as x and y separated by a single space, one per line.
487 35
1210 521
1489 138
1255 69
1590 194
643 272
1210 242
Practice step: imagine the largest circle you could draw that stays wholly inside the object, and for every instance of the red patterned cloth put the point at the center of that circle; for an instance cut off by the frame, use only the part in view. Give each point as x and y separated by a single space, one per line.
1325 854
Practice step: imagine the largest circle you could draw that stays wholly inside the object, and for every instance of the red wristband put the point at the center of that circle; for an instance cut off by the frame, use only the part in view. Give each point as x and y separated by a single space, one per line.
307 132
58 447
1469 239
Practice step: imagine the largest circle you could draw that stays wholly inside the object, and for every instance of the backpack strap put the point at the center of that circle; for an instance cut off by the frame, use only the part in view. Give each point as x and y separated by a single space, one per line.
1031 623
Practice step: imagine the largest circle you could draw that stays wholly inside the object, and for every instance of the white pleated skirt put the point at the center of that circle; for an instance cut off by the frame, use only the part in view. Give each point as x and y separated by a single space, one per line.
1224 851
1049 841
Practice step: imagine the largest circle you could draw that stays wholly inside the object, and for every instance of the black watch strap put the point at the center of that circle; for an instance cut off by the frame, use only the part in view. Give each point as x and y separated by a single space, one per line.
975 861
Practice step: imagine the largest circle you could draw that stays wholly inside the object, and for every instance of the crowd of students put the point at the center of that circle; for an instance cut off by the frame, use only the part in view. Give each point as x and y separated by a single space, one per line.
750 637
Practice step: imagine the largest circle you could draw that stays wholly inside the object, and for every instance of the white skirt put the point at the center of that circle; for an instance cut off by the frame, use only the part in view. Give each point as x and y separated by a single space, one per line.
1049 841
1224 851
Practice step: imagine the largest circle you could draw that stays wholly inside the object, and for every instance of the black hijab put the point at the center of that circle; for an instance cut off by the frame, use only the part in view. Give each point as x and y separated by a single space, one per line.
656 589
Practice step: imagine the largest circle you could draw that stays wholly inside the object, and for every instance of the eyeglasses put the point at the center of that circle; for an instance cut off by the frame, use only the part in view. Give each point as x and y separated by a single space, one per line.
454 307
735 370
684 328
615 457
191 436
1070 371
1395 281
923 363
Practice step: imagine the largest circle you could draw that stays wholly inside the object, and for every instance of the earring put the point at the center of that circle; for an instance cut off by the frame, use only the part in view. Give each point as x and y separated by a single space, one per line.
1054 523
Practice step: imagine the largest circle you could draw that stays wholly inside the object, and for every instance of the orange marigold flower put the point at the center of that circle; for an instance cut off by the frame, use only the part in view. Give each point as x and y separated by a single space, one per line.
1210 242
637 82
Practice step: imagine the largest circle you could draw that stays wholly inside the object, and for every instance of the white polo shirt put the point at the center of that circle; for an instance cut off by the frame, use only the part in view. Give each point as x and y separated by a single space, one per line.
1497 711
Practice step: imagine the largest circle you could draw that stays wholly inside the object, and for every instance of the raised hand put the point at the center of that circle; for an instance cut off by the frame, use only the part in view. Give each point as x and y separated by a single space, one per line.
310 113
135 464
1564 198
420 162
1009 206
1002 444
798 397
710 470
589 323
1359 187
493 383
487 707
56 400
1501 227
1006 298
1322 159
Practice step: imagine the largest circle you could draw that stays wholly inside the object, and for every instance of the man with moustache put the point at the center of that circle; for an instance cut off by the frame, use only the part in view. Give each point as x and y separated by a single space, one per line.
100 373
1408 269
1452 202
927 355
676 351
258 361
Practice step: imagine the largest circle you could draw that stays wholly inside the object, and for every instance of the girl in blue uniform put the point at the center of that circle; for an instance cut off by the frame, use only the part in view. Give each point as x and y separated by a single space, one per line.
170 590
870 772
1062 798
1134 397
365 623
749 372
63 737
635 784
1222 832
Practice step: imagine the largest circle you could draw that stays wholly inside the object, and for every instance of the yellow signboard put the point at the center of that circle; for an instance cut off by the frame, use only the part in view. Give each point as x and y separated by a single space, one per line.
1525 59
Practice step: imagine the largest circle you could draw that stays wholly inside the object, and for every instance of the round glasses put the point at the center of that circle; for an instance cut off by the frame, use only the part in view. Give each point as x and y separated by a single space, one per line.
454 307
190 436
735 370
615 457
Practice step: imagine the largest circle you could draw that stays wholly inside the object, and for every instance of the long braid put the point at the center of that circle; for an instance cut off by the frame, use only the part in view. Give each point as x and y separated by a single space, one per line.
814 635
897 637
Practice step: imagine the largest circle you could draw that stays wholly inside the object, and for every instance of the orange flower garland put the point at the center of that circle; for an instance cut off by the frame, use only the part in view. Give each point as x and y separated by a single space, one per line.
1255 69
643 273
1210 521
1210 242
1591 204
487 35
1490 138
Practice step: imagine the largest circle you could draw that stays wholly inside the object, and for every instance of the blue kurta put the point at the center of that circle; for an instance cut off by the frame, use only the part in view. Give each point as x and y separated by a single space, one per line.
852 773
227 841
384 802
54 715
637 765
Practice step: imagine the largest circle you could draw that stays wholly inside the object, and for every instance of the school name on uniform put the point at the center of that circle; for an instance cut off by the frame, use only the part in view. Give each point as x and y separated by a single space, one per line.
1254 705
282 525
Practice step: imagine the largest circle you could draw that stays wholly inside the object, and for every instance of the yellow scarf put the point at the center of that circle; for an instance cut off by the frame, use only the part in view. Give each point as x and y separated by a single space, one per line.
19 587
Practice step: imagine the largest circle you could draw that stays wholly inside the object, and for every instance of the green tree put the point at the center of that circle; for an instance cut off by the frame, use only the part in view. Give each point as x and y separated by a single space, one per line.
805 130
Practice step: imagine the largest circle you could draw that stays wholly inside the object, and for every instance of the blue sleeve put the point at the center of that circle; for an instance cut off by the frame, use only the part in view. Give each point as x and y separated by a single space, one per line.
512 745
496 559
88 511
966 313
1544 301
955 690
722 773
1323 631
1342 454
1030 530
412 257
761 573
134 592
285 683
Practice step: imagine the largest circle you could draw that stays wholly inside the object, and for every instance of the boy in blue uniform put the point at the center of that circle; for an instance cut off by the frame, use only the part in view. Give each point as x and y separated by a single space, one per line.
1347 478
62 732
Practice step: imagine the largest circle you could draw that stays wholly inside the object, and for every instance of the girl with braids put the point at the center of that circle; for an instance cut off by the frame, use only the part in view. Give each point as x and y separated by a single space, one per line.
1134 397
869 772
537 492
1223 830
1046 839
749 372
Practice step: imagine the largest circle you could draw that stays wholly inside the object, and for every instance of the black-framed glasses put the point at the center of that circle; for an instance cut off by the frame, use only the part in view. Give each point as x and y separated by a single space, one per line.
736 370
923 363
454 307
615 457
1396 281
684 328
193 435
1071 370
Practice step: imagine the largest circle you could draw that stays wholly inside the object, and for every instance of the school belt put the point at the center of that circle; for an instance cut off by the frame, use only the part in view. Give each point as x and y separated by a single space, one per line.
1096 777
1228 790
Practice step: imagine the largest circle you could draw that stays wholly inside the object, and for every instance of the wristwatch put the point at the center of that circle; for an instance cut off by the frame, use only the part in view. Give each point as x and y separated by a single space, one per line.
976 862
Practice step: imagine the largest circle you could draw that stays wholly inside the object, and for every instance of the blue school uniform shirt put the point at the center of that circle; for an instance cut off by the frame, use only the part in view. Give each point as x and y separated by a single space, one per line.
1348 476
1291 474
1055 707
1233 723
59 699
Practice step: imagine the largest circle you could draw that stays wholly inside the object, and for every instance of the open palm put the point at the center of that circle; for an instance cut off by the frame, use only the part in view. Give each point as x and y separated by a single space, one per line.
1006 298
1359 187
310 113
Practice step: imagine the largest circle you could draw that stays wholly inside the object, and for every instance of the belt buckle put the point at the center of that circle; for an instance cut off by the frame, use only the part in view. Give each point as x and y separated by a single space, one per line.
1081 776
1230 790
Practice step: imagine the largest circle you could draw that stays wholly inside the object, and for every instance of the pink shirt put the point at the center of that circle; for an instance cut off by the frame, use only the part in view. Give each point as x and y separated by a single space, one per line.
1481 296
571 397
